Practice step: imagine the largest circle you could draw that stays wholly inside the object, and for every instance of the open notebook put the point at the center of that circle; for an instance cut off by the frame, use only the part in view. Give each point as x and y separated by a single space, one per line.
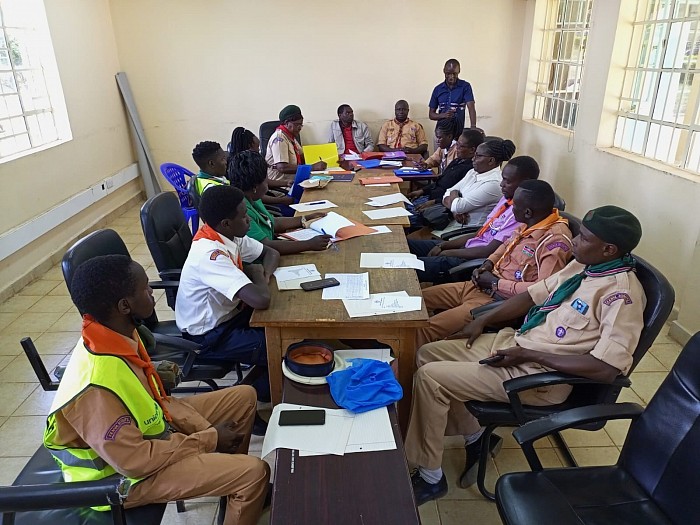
333 224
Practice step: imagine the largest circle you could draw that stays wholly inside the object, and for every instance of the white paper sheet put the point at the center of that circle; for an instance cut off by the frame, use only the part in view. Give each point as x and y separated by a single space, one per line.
313 206
403 262
377 185
302 235
352 286
387 213
287 273
379 354
396 304
330 438
385 200
392 163
330 224
363 308
380 229
376 260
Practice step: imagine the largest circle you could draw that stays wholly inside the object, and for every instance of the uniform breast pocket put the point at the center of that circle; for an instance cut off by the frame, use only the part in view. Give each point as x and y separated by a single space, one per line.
569 325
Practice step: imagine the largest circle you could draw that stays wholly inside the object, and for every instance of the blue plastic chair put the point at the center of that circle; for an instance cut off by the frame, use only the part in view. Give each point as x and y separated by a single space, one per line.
175 175
303 173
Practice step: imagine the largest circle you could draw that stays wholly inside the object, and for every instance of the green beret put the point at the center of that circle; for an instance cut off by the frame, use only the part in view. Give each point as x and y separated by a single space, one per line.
614 225
290 112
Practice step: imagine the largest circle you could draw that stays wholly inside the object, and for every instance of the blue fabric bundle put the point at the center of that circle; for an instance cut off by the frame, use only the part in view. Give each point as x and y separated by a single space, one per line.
366 385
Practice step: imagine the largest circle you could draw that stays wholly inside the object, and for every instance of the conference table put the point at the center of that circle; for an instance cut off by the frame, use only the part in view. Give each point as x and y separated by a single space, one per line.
296 315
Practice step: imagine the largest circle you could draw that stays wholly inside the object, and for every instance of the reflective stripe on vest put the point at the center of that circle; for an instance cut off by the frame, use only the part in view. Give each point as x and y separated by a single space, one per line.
111 373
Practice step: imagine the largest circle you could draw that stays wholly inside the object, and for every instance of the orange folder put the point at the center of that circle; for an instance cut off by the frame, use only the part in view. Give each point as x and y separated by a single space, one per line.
356 230
367 155
380 180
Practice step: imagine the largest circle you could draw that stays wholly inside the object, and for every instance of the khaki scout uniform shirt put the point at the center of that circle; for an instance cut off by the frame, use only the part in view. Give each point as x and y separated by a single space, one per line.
442 158
280 149
99 420
541 253
604 318
412 134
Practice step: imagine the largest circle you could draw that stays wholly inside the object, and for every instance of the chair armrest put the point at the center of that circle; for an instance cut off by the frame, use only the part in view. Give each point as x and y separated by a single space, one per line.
471 264
519 384
164 285
539 428
484 309
461 231
177 349
108 491
170 274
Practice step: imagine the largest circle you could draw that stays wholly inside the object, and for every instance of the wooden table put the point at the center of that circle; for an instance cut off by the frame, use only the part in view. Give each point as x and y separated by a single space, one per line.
370 488
295 315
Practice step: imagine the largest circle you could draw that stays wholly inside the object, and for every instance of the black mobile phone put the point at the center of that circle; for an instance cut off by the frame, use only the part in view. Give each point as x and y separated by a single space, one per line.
302 417
321 283
493 359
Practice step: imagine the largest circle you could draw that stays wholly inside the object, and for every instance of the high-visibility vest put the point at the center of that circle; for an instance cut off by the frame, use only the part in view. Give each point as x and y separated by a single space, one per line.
111 373
204 180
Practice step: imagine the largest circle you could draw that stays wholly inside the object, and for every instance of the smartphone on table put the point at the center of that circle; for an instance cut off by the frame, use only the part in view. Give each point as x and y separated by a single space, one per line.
321 283
302 417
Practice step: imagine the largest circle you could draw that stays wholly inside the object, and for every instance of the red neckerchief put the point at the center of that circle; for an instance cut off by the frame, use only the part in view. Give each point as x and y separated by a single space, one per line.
495 216
101 340
298 152
207 232
397 144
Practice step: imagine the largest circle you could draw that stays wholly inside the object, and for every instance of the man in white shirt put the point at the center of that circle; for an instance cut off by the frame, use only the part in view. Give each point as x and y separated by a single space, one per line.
217 293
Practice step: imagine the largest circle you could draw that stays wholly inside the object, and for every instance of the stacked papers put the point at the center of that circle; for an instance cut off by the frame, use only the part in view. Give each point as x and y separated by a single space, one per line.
387 213
352 286
385 200
291 277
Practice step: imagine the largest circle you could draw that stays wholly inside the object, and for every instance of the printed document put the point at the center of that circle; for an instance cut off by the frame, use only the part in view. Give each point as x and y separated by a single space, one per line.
387 213
352 286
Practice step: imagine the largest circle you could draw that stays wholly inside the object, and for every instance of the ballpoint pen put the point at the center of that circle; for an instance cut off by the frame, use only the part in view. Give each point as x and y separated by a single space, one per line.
331 244
312 203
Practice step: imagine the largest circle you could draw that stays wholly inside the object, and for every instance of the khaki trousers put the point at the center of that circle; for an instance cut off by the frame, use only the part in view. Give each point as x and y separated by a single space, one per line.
457 301
242 478
448 375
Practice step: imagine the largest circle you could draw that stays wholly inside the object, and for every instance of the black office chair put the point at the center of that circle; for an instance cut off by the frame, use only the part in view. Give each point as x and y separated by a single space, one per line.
655 479
491 415
265 132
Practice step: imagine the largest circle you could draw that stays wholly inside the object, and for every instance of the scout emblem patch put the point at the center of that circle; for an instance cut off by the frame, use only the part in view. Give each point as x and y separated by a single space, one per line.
617 296
518 275
560 332
215 254
558 244
579 306
530 252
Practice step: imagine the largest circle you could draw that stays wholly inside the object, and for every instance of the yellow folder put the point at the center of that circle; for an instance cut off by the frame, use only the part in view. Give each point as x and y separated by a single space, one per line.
326 152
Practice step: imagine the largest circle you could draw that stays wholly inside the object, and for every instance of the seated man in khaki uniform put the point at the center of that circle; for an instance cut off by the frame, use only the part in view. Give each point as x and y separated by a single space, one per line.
584 320
401 133
539 247
111 417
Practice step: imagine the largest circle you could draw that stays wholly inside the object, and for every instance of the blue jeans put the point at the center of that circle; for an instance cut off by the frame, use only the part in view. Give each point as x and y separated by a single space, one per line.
435 266
415 219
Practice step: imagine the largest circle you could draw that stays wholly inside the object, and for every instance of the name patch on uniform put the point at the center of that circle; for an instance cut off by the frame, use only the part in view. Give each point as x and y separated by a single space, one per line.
558 244
111 433
610 299
528 251
215 254
518 275
277 139
560 332
579 306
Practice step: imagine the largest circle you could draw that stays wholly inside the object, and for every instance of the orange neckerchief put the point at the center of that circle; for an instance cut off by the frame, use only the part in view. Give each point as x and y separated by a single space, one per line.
207 232
495 216
297 152
101 340
544 224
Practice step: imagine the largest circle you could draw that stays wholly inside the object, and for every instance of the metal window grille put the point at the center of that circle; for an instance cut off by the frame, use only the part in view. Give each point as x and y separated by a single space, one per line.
658 115
27 116
561 61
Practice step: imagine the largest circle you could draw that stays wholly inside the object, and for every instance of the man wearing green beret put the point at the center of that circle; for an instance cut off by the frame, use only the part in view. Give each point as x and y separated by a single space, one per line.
584 320
284 153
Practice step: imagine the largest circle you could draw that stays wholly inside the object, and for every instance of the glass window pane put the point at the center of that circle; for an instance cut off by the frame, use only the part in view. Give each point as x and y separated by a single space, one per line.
13 105
7 82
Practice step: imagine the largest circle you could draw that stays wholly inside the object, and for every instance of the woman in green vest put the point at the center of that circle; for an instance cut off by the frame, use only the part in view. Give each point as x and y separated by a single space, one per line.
248 172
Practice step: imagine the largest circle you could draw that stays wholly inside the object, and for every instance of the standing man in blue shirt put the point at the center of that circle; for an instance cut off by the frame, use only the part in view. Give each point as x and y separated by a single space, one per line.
451 97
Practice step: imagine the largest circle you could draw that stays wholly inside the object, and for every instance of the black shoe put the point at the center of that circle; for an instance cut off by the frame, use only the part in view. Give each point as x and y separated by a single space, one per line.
425 492
268 496
471 467
259 426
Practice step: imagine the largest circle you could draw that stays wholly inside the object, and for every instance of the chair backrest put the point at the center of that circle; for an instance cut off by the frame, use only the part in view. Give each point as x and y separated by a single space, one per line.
167 235
559 202
660 451
265 132
100 242
660 298
302 174
175 175
574 222
37 364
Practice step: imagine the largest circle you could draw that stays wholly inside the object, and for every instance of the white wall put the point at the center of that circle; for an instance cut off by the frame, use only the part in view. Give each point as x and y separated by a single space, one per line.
199 69
587 173
83 40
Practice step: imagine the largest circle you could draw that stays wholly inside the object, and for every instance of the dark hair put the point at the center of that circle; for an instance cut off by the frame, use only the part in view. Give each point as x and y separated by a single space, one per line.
99 283
204 151
452 62
473 136
501 150
246 170
342 107
241 140
449 126
527 167
218 203
539 195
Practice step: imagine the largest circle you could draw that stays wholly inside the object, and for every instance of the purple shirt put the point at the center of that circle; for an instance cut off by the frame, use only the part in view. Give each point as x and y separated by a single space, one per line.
501 229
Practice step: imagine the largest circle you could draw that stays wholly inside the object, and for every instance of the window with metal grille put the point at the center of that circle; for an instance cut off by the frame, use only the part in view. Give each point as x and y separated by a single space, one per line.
32 107
659 112
565 35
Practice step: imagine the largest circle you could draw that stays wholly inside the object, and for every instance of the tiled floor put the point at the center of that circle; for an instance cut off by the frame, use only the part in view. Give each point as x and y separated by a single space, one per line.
43 311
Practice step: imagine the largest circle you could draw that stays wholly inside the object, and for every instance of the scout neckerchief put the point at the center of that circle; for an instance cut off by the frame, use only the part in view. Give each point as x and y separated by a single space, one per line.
299 153
397 144
495 216
538 313
544 224
101 340
207 232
